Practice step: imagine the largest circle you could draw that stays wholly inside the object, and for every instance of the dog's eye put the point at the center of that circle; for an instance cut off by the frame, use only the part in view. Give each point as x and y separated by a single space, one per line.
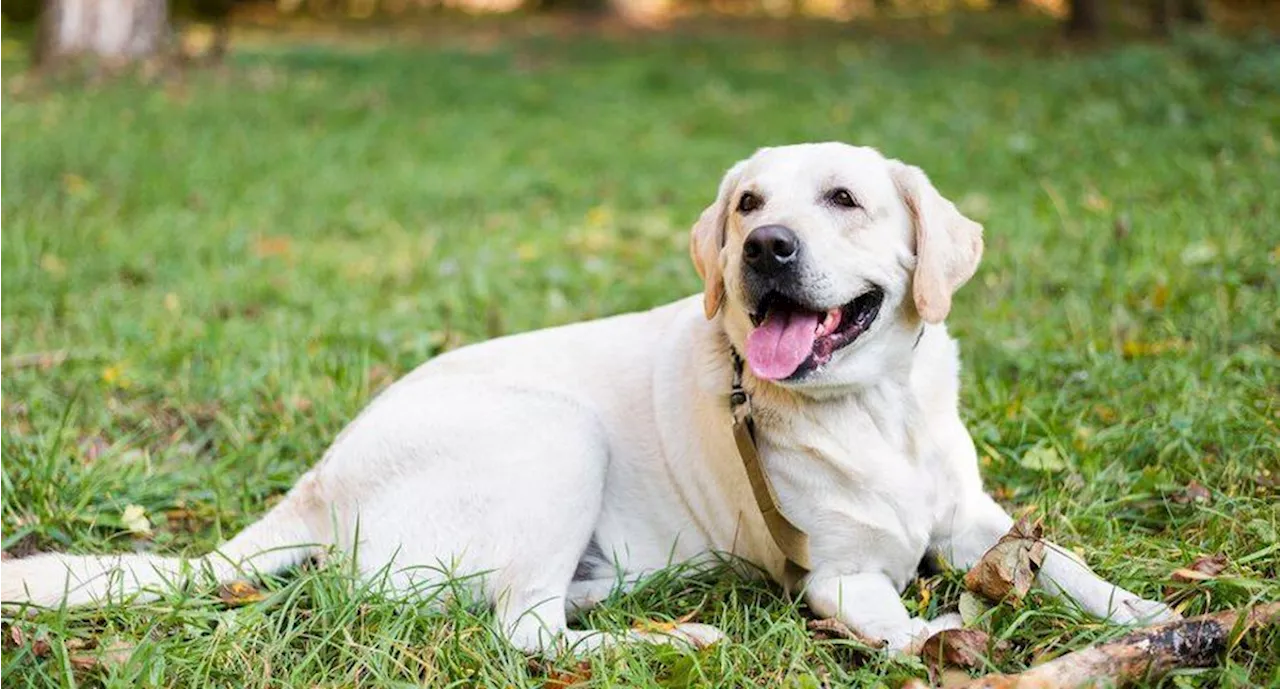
749 202
842 197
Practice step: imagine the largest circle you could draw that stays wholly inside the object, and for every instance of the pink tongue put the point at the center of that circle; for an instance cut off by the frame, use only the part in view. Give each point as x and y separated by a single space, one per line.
778 346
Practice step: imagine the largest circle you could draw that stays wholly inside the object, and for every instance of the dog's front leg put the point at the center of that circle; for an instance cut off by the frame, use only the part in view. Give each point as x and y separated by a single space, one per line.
868 603
981 522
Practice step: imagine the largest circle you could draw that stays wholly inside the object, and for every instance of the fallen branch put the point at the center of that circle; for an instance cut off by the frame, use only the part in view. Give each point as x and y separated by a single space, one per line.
1145 654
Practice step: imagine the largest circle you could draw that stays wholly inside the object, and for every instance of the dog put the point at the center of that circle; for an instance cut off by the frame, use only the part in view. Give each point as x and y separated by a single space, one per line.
564 465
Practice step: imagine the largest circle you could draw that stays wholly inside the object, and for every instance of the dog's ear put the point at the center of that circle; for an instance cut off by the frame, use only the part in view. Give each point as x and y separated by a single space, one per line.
948 245
706 241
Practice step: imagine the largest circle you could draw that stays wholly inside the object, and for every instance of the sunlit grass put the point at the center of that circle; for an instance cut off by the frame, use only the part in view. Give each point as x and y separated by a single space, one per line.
221 272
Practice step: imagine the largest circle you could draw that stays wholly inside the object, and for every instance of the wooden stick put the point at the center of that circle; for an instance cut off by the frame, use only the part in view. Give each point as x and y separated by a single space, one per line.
1145 654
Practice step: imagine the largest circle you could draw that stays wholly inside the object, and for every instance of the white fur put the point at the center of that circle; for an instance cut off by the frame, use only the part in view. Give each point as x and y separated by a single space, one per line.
505 459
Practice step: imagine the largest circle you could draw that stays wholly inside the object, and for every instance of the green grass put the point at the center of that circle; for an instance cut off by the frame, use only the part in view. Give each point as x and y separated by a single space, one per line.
222 272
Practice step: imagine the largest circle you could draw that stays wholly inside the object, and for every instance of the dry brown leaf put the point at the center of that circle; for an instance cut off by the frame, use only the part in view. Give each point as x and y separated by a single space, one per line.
560 679
1009 568
831 628
1194 492
114 654
239 593
1204 568
952 649
39 647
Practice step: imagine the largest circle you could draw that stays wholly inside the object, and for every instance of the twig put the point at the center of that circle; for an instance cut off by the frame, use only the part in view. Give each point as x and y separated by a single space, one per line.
1144 655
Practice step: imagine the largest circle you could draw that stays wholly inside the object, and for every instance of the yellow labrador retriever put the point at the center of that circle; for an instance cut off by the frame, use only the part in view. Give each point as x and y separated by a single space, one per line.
565 464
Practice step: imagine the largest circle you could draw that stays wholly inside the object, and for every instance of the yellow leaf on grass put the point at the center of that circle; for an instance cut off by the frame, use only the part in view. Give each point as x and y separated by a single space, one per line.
240 592
527 251
1096 202
1136 348
171 302
53 265
1160 296
134 519
599 216
116 375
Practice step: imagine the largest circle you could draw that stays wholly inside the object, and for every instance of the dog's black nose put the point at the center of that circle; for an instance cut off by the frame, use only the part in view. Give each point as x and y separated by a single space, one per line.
771 248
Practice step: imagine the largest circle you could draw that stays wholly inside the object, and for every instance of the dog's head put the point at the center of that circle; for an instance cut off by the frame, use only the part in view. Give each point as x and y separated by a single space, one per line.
825 257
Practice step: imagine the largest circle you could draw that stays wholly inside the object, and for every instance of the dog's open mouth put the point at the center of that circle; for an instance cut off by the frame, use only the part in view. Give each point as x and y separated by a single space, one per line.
790 339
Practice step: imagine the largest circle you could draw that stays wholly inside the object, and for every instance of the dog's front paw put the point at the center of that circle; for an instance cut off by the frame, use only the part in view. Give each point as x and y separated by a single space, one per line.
1139 611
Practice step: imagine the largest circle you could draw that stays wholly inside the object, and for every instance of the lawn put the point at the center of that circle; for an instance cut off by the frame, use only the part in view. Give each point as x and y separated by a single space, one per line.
205 279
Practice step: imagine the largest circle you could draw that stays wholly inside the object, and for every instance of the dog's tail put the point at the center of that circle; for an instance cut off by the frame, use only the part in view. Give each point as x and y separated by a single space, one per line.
283 537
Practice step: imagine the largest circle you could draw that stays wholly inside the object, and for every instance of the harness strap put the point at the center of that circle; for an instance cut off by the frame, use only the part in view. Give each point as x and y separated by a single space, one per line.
793 542
790 539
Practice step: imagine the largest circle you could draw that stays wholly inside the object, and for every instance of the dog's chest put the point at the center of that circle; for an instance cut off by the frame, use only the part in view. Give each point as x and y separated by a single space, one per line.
861 480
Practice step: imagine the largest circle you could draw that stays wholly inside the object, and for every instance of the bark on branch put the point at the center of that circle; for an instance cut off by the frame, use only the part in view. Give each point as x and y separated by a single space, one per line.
1145 654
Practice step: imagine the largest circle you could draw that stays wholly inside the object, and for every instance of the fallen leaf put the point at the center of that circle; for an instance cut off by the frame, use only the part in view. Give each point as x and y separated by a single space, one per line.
972 608
1194 492
116 375
38 646
240 592
267 247
1043 457
831 628
114 654
1204 568
1009 568
955 648
926 595
93 447
134 519
1133 349
53 265
1160 296
559 679
1096 202
662 626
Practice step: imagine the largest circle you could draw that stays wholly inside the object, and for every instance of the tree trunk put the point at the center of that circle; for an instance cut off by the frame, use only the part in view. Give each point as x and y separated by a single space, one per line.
1193 11
114 31
1084 19
1160 15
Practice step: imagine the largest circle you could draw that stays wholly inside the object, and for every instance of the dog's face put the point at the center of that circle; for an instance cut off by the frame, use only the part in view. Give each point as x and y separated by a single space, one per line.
825 258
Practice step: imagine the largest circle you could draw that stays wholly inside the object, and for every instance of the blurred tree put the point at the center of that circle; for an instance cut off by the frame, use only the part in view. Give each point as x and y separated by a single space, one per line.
581 6
1165 12
116 31
1083 18
214 12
